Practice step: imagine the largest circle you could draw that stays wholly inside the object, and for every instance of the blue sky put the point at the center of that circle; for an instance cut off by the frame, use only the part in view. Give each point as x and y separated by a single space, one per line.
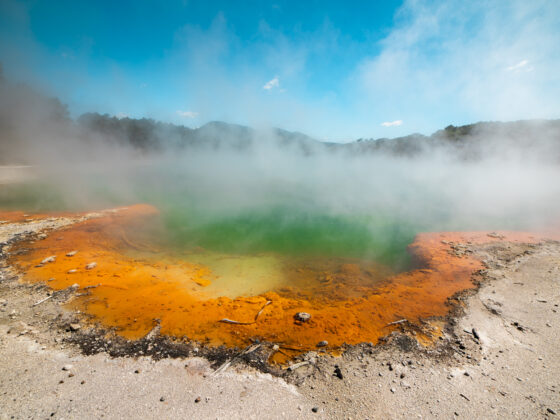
334 70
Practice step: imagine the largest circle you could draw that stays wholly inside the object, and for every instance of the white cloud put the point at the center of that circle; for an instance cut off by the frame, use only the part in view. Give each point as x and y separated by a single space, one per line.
121 115
434 67
395 123
187 114
274 83
521 66
518 66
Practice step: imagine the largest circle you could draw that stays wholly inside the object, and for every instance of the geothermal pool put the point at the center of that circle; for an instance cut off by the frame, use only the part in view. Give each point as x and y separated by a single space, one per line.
253 257
141 279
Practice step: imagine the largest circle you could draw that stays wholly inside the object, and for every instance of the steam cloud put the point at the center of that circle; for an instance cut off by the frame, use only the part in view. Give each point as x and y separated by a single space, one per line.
488 176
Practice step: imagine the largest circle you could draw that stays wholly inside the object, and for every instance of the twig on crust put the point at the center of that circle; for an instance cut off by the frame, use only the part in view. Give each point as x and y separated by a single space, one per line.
231 321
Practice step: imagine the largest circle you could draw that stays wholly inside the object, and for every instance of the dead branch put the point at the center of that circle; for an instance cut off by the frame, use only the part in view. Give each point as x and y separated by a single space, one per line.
247 350
231 321
400 321
43 300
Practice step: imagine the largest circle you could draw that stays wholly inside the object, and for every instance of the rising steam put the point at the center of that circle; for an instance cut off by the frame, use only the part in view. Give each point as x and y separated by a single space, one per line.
236 188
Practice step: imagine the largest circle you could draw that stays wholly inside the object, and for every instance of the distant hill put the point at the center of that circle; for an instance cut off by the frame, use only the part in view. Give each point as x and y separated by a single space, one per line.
468 141
148 134
30 120
534 137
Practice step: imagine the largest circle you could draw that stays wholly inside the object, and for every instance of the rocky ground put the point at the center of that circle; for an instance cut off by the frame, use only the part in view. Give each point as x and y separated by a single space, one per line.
499 357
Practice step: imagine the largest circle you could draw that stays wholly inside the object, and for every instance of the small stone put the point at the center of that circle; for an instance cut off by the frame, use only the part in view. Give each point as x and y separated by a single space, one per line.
137 371
70 375
197 399
91 266
72 271
475 334
393 390
50 259
551 411
71 253
315 409
337 372
162 399
67 367
75 327
302 316
83 382
323 343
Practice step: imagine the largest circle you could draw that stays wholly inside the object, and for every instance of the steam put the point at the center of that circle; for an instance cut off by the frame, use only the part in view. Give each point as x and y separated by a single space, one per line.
266 182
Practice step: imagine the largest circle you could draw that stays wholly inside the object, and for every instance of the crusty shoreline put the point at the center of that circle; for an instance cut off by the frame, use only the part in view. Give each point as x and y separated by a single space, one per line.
507 371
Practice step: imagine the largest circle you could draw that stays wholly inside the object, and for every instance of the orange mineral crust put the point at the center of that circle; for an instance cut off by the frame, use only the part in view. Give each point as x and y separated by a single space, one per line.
131 291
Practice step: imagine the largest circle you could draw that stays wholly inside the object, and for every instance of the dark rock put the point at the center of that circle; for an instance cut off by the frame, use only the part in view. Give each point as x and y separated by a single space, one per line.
475 334
551 411
302 316
518 326
197 400
337 372
315 409
323 343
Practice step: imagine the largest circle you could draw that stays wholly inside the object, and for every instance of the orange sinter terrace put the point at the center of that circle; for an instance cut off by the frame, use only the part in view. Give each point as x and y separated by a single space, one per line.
233 299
